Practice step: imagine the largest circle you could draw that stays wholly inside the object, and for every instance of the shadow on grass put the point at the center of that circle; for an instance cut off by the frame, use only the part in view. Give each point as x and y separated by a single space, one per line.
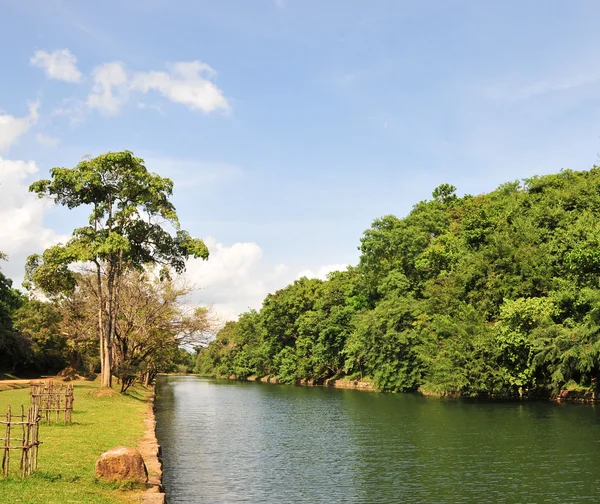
62 425
119 485
138 395
13 386
84 385
51 477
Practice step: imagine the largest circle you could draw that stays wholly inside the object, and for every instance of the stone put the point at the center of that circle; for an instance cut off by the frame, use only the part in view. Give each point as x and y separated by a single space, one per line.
155 498
122 464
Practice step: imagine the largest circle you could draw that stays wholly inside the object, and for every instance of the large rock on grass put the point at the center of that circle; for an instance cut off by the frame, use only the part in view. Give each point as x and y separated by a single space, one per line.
122 464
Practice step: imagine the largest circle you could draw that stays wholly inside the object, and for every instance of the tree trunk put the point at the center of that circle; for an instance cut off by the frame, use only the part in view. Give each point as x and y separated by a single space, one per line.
108 329
107 356
74 359
104 333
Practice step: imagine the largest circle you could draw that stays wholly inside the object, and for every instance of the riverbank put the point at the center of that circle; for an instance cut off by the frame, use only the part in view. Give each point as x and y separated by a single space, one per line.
564 396
102 419
150 450
344 383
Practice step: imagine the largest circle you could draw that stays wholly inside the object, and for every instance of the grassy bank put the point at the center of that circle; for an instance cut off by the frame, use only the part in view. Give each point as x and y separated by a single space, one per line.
68 454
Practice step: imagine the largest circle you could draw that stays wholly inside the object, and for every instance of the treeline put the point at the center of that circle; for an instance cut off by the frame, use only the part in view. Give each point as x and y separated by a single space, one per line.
497 294
61 334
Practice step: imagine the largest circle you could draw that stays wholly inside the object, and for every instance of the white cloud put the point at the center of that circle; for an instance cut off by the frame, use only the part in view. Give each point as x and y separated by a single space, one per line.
322 272
59 65
235 279
47 140
22 215
12 127
280 269
232 280
110 88
188 83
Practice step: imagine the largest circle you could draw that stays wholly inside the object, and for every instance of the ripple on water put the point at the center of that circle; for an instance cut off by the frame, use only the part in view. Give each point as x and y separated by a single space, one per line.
228 442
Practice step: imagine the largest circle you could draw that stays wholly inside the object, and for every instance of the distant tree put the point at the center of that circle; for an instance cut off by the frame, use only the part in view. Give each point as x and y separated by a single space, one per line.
39 323
444 193
152 325
125 231
14 349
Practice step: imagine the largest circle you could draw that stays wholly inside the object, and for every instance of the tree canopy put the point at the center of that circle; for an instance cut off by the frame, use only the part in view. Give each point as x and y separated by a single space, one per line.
132 224
494 294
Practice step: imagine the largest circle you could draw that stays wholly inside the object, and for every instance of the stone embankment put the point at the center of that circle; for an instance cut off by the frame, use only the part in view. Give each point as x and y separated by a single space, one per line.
150 450
564 396
339 383
579 396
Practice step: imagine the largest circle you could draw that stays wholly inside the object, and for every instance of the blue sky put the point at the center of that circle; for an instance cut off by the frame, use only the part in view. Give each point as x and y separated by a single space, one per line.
289 125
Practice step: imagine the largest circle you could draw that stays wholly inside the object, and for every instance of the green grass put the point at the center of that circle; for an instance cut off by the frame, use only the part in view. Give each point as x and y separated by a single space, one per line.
12 386
68 454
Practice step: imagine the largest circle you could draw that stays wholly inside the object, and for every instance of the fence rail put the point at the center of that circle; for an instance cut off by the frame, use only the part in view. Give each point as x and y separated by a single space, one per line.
52 400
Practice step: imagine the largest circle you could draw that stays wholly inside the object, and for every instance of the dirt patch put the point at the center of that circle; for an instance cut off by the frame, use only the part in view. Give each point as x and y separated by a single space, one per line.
69 374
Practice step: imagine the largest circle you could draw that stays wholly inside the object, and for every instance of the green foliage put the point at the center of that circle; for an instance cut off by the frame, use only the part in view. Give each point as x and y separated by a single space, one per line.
383 345
494 294
130 226
39 323
129 209
14 348
445 193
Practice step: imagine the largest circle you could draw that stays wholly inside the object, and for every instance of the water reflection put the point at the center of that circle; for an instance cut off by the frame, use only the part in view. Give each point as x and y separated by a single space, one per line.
229 442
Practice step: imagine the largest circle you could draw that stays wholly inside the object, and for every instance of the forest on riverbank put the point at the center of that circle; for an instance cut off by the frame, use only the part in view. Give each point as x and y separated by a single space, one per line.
496 294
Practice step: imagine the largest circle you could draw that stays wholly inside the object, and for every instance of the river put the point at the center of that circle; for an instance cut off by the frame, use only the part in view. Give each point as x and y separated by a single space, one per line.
229 442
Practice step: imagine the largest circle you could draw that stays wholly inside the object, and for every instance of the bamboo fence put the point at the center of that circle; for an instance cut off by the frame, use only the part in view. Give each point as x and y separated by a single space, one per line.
27 425
52 400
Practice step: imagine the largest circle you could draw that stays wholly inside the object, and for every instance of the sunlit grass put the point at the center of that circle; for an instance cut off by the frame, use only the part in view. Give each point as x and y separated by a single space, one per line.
68 454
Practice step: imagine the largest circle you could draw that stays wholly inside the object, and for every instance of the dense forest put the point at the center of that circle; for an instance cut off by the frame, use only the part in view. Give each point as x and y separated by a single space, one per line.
496 294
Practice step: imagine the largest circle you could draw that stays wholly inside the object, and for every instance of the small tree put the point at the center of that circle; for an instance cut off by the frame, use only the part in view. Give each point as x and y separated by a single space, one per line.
130 208
152 324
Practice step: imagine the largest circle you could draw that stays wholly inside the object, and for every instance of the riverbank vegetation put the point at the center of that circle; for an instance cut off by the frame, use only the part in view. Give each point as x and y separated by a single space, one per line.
108 300
102 419
61 334
496 294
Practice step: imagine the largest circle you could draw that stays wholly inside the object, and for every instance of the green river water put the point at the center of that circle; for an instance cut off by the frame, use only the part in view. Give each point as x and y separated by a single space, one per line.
229 442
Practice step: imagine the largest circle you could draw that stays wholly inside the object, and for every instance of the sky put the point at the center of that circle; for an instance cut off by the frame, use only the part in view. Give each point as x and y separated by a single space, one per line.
288 126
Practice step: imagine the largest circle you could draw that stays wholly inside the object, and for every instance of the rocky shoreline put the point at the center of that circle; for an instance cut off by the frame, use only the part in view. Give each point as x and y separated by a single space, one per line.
332 382
564 396
150 450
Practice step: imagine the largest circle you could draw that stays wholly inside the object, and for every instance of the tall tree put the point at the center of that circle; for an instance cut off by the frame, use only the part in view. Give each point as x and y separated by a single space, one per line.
130 208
